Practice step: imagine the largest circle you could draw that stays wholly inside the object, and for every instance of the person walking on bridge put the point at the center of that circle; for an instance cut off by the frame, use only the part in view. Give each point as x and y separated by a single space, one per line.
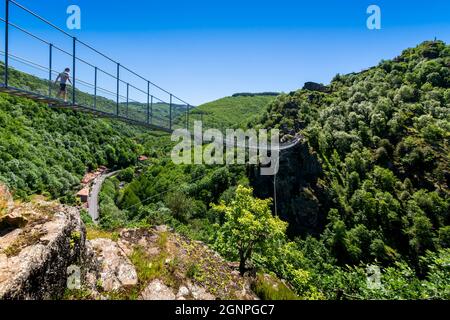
63 78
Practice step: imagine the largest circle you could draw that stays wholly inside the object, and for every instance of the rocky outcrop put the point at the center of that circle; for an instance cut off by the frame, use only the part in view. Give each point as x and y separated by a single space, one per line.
157 264
37 248
43 243
313 86
113 270
301 200
157 290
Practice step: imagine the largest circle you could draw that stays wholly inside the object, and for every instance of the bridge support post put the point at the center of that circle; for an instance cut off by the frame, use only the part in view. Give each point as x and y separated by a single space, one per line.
148 102
170 113
118 89
50 67
128 95
151 110
95 88
187 117
6 42
74 71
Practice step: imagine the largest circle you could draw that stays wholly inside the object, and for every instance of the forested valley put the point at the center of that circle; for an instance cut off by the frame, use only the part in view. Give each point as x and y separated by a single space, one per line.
368 186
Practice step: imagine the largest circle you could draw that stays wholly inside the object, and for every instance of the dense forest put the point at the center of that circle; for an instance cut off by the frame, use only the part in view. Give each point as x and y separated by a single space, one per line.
48 151
381 193
369 185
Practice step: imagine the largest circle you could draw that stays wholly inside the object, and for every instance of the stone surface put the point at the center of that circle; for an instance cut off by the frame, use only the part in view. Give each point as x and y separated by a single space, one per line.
200 293
183 291
115 269
46 239
157 290
34 259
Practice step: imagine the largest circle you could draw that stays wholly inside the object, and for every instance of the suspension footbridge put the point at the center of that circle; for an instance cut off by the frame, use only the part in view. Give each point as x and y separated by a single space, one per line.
100 85
107 90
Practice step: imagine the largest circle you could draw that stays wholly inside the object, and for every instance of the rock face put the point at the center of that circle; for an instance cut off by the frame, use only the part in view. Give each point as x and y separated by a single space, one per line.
299 174
313 86
157 290
36 253
157 264
114 270
43 243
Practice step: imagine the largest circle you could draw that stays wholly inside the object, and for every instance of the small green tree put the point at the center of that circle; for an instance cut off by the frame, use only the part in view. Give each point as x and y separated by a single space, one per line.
127 174
249 225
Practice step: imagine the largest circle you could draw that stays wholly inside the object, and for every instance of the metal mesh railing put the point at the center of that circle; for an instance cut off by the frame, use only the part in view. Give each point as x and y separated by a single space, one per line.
121 93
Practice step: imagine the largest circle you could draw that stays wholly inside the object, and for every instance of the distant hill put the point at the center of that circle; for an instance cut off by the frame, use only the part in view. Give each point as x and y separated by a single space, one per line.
249 94
232 112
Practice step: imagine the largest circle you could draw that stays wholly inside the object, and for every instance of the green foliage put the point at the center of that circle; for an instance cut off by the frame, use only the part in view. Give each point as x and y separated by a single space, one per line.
87 220
182 207
47 151
270 288
194 272
231 112
382 139
127 174
249 226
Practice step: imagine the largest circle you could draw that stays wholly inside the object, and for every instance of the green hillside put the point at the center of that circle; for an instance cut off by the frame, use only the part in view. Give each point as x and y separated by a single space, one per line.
371 183
231 112
48 151
105 100
368 188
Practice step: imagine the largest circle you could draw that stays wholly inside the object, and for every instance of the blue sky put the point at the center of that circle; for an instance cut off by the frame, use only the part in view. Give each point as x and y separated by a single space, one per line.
204 50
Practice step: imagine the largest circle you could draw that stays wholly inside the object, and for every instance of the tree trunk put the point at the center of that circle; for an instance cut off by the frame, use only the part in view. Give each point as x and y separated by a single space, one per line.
242 260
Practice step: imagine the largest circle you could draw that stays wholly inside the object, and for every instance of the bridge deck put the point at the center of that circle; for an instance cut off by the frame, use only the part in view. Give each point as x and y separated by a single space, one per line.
61 104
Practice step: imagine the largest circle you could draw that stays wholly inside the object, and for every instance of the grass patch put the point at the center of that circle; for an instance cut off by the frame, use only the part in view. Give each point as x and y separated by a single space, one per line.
149 268
195 272
74 294
271 288
146 268
96 233
25 239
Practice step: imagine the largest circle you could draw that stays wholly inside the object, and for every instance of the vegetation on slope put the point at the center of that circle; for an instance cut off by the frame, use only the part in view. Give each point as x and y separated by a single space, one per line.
48 151
381 138
368 187
231 112
374 179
